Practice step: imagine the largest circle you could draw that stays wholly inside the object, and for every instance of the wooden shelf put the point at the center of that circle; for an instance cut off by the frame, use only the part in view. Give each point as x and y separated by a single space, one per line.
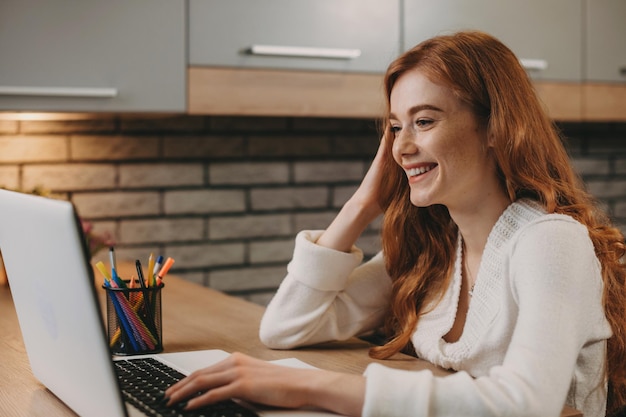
262 92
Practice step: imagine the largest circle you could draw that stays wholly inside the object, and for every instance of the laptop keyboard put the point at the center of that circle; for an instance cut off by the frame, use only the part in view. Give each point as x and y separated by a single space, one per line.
143 382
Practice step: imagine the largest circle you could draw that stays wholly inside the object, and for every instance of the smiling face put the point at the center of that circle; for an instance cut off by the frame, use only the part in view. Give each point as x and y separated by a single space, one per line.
440 144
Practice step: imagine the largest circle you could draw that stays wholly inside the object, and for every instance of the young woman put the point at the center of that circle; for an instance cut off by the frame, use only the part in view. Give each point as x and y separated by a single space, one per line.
495 263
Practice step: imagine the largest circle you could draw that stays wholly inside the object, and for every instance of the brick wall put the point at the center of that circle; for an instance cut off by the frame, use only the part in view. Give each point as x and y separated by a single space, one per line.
225 196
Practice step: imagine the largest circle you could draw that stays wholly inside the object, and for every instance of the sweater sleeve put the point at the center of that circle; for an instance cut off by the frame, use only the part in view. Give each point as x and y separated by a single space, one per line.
326 295
555 280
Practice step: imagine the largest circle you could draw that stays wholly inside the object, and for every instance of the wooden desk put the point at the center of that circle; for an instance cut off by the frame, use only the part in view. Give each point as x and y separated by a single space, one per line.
194 318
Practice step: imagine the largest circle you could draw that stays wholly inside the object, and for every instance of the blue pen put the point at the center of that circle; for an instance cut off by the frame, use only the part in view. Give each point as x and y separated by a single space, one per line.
114 275
122 318
157 266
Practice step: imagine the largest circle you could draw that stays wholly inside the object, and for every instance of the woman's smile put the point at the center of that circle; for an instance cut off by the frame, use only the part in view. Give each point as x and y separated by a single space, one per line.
417 173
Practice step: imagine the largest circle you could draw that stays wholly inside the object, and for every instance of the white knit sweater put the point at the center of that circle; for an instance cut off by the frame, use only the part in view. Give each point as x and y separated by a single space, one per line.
534 338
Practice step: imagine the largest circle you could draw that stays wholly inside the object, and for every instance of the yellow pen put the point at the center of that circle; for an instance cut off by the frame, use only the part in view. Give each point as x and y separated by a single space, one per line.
150 272
103 270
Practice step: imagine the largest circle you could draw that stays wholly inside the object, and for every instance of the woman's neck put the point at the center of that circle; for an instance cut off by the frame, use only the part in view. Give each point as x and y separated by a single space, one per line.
476 219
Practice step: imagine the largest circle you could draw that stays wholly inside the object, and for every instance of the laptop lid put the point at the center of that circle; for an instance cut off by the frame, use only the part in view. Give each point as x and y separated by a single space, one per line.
53 290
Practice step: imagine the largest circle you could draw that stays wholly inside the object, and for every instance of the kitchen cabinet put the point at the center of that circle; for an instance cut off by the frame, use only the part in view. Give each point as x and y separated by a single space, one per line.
605 58
322 58
604 89
326 35
94 56
546 36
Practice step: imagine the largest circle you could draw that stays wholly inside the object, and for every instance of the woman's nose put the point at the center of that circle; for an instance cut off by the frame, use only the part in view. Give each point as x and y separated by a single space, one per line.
404 143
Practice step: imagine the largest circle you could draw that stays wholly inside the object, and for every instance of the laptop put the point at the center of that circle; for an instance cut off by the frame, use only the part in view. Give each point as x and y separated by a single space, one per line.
52 285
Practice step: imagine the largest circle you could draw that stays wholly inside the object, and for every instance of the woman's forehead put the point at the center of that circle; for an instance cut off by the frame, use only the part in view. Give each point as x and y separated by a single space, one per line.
414 89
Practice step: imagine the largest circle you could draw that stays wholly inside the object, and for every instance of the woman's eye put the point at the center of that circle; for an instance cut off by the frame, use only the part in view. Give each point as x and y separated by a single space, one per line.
395 129
423 122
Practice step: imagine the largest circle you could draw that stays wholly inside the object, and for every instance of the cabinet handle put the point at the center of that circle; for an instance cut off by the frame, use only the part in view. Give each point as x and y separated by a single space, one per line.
534 64
304 52
58 92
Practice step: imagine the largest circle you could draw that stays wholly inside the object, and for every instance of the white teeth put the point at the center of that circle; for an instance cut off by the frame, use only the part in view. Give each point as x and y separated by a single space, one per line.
418 171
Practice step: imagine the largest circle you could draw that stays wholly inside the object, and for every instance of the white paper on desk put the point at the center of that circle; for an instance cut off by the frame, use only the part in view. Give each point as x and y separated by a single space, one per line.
190 361
293 363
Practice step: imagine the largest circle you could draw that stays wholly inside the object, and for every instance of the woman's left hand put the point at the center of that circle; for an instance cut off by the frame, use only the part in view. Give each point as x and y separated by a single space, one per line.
253 380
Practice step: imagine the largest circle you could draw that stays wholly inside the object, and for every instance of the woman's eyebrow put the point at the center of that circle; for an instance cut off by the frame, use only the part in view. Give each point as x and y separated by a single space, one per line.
417 109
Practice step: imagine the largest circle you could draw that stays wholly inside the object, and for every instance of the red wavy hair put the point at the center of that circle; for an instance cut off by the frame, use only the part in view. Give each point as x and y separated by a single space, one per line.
419 243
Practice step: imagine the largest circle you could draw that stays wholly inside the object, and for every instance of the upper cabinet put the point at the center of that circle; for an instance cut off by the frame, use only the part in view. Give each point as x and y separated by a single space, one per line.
606 41
321 58
102 56
546 36
328 35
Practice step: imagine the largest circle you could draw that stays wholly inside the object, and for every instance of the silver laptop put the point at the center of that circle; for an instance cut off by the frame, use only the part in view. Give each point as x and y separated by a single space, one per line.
55 298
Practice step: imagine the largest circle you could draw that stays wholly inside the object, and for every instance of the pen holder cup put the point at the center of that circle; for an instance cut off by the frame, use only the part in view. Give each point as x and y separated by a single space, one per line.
134 324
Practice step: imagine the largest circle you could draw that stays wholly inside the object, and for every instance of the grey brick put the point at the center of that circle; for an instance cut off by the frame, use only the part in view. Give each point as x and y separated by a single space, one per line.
127 254
161 124
206 255
69 176
196 277
342 194
10 177
160 175
324 171
376 224
288 198
607 189
203 146
25 149
249 226
271 251
591 166
261 298
113 147
248 173
288 146
619 209
161 230
313 221
204 201
370 244
247 123
609 143
332 125
620 166
247 278
365 145
115 204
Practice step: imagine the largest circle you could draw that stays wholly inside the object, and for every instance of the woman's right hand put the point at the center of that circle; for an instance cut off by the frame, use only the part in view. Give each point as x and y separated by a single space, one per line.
359 211
253 380
367 195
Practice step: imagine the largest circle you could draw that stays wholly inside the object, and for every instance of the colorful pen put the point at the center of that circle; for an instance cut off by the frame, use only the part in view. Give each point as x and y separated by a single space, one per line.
114 275
103 270
146 301
157 266
166 267
150 270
